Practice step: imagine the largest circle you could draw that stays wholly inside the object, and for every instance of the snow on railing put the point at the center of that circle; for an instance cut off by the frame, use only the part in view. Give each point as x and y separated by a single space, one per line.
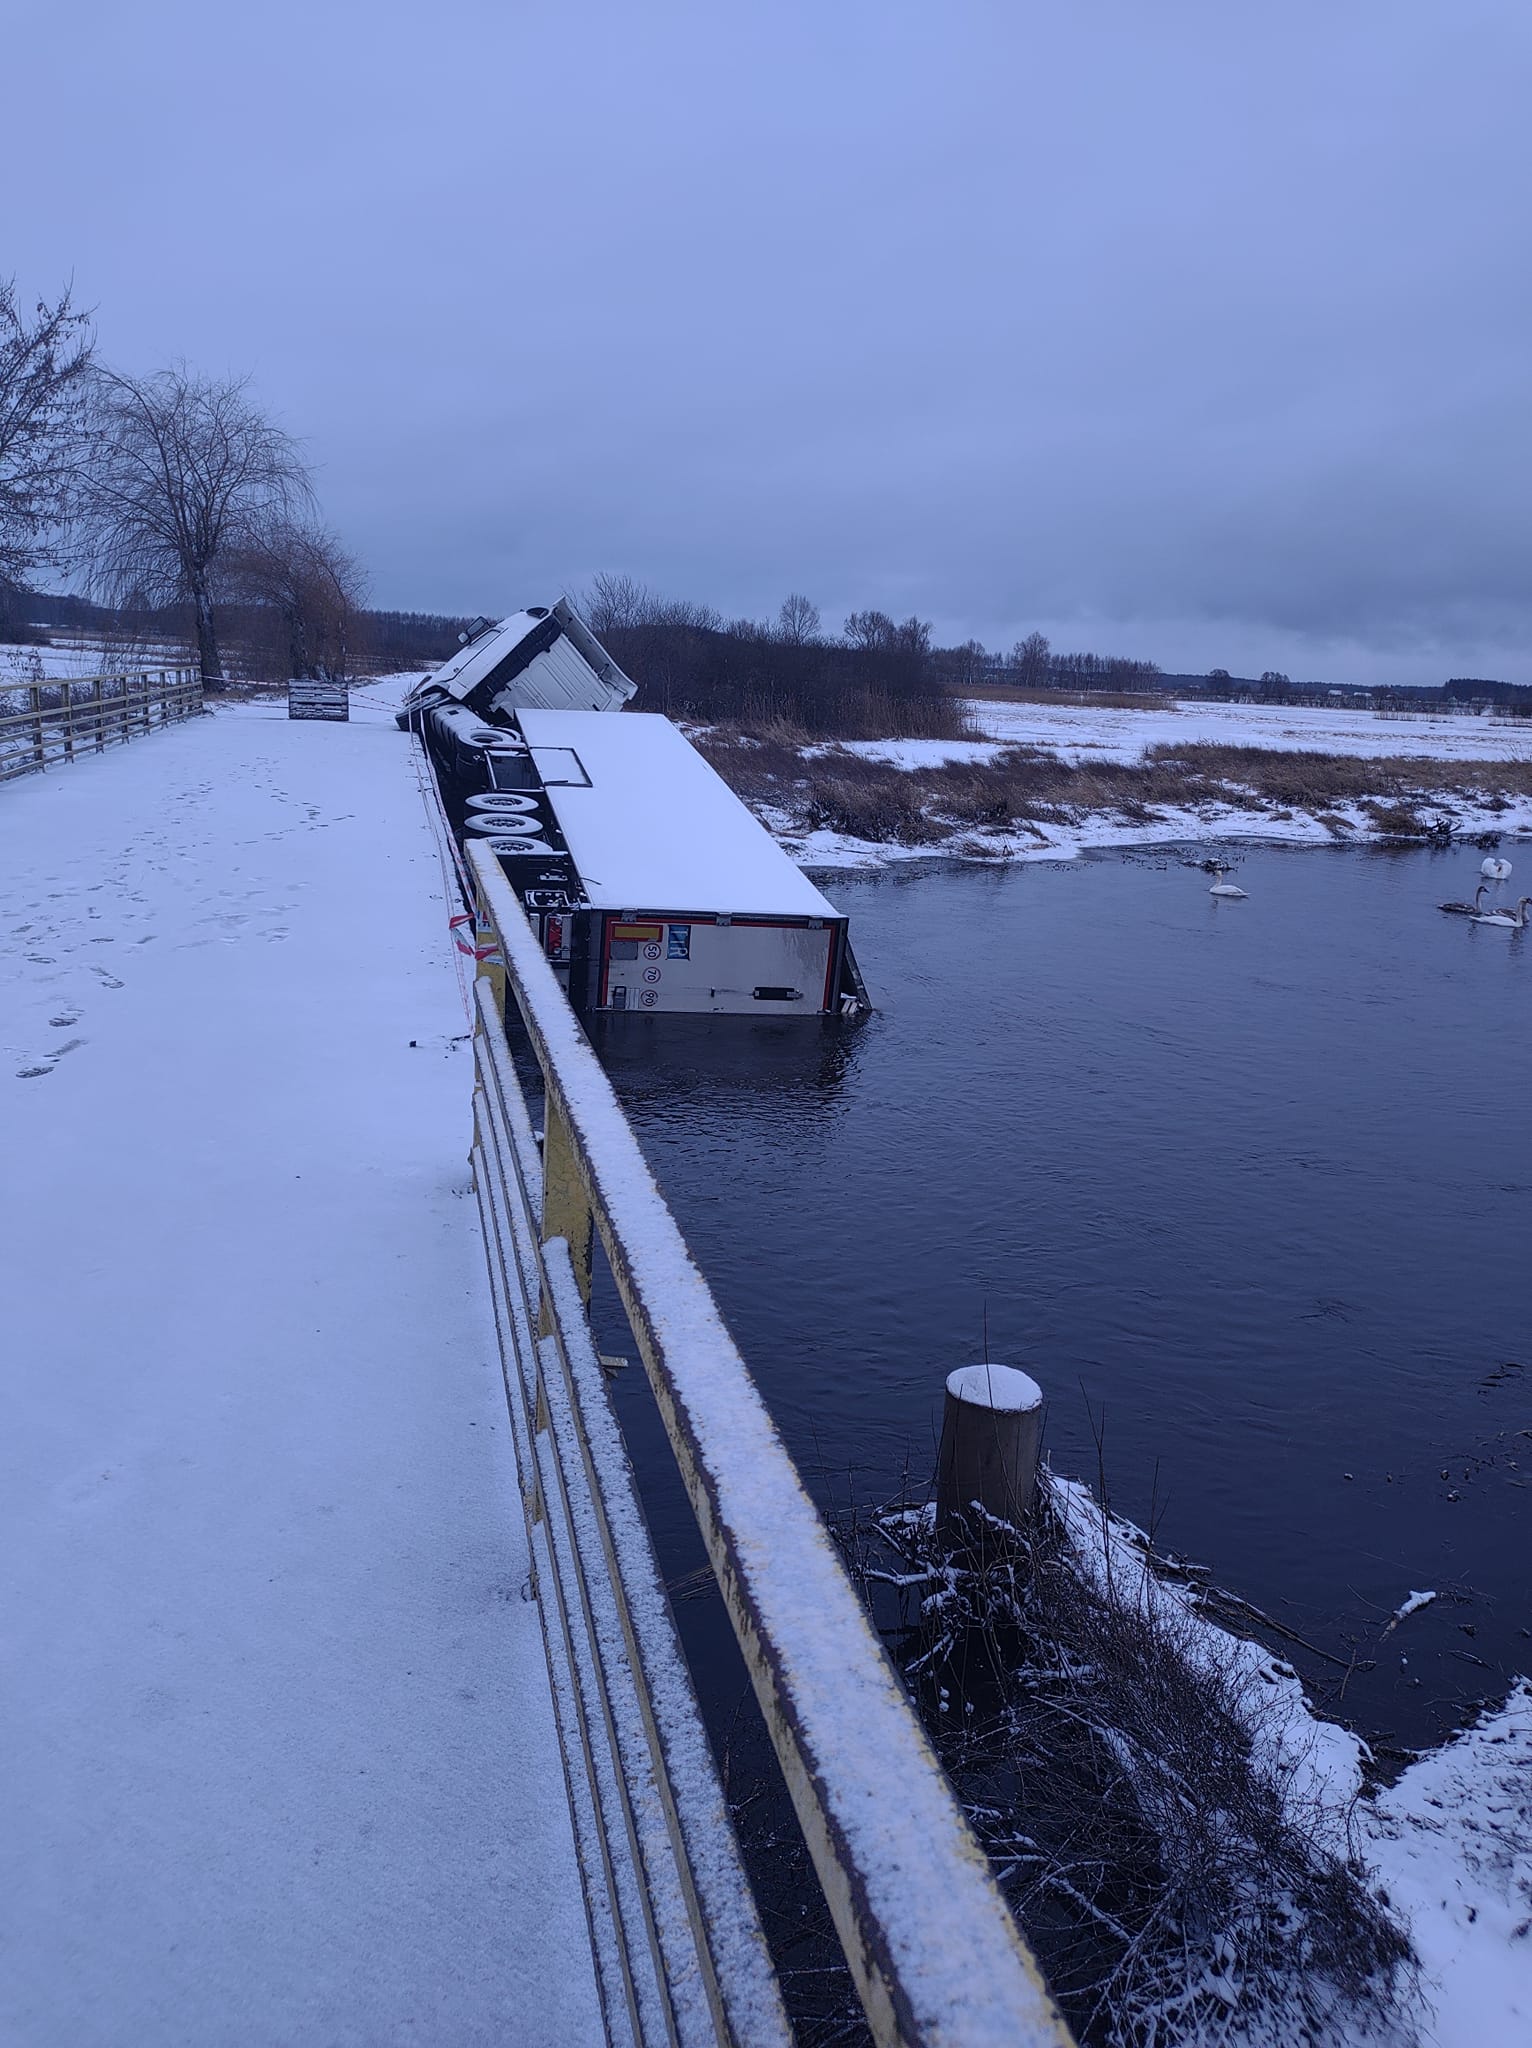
57 718
934 1953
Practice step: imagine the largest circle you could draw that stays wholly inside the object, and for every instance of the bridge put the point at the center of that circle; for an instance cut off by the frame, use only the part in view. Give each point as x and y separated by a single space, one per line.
350 1703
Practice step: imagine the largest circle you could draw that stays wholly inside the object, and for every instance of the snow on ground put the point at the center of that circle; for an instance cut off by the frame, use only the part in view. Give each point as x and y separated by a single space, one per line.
279 1762
1172 825
86 657
1448 1846
1451 1846
1078 732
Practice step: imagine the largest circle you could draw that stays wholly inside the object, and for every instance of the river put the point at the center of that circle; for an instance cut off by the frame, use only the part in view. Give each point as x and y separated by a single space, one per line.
1247 1186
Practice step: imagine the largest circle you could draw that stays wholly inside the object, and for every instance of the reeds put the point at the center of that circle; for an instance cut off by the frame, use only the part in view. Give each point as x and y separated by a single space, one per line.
834 788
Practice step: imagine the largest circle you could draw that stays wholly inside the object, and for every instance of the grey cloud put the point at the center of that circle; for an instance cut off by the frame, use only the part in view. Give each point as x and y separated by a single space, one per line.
1181 328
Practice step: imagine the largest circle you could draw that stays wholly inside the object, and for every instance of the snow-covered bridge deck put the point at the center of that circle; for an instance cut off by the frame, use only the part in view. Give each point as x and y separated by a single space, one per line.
278 1762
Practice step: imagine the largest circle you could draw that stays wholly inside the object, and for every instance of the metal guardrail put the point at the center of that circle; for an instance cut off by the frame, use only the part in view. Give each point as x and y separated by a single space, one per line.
680 1955
112 707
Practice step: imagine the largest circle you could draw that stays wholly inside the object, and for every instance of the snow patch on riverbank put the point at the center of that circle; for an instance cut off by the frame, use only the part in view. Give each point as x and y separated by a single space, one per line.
1170 826
1450 1849
1447 1848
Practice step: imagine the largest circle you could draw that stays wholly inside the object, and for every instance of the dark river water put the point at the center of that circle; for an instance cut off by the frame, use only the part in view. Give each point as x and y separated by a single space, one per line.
1250 1184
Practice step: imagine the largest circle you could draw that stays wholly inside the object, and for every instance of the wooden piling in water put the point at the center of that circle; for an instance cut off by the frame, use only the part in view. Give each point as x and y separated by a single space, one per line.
992 1430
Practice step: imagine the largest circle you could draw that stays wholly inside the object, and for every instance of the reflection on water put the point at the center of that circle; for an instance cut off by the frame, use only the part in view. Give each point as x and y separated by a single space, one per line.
1252 1179
660 1061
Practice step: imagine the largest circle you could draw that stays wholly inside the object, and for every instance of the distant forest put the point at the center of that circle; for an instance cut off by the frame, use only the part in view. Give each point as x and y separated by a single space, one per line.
256 634
877 677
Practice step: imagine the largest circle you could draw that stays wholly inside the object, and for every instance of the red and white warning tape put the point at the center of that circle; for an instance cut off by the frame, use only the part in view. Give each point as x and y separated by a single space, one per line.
491 953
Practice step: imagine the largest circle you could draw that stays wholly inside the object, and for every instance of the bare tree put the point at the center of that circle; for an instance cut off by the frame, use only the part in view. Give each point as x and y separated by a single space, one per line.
798 620
870 629
44 361
183 474
965 666
312 585
615 602
1030 659
913 637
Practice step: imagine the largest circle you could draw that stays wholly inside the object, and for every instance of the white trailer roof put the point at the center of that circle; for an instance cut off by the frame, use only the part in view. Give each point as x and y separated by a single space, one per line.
651 826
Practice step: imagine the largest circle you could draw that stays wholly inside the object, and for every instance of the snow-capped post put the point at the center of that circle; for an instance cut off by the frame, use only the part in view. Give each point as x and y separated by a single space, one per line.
991 1433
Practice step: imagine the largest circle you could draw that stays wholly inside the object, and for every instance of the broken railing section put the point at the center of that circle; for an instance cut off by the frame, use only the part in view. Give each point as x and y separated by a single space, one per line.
58 718
679 1950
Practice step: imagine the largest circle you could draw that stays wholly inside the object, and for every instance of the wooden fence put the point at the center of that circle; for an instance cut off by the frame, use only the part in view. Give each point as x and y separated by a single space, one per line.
59 718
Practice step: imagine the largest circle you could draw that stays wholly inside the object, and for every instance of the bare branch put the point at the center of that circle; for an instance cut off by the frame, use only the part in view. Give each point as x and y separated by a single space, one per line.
44 363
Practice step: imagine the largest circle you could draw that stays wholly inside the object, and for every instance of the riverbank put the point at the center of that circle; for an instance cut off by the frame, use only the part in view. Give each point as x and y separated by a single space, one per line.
1044 781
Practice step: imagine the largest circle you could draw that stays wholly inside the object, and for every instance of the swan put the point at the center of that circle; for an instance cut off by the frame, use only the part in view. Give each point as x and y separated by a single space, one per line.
1495 870
1223 888
1473 909
1509 920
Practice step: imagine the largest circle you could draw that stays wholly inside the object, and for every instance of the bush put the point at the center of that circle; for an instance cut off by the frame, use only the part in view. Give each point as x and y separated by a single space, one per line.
1134 1786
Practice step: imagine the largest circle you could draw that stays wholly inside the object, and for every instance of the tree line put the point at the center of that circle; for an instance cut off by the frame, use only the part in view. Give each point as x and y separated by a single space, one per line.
877 677
181 507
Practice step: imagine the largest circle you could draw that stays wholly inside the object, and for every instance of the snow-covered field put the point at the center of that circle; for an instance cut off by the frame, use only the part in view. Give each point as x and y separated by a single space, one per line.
1079 732
1081 735
85 657
279 1762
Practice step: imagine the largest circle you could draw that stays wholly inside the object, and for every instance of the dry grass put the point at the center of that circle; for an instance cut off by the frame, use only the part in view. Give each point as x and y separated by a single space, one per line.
838 790
1312 781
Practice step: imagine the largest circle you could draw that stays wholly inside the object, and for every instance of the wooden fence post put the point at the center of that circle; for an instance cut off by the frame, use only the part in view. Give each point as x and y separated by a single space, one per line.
39 751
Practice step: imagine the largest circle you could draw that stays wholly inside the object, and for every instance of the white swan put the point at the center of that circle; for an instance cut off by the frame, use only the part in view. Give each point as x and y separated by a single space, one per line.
1473 909
1509 920
1223 888
1495 870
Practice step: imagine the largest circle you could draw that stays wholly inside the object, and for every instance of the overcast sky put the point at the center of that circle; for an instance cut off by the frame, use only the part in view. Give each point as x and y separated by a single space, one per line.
1189 329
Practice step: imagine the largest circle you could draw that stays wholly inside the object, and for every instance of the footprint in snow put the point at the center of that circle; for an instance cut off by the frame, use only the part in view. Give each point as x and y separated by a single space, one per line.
64 1019
36 1072
107 980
